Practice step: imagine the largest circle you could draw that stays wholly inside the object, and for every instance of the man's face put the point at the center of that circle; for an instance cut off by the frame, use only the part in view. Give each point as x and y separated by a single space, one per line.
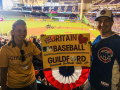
104 25
19 32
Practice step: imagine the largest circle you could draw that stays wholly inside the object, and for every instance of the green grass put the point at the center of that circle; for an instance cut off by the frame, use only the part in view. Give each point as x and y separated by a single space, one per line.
95 32
61 31
33 24
6 26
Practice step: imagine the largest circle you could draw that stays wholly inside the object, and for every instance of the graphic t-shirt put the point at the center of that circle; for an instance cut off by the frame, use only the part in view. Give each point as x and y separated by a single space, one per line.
104 53
20 74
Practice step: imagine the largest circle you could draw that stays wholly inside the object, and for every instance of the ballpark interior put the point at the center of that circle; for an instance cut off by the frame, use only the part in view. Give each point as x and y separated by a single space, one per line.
53 17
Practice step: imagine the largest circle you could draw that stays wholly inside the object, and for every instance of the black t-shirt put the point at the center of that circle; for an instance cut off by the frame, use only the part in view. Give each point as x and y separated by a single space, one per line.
104 53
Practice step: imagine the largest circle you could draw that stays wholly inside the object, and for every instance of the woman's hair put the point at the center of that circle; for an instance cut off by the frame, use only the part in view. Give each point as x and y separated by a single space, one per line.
18 22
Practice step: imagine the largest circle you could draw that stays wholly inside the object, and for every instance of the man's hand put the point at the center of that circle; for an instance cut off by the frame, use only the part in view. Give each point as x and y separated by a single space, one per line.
90 43
90 47
119 82
41 36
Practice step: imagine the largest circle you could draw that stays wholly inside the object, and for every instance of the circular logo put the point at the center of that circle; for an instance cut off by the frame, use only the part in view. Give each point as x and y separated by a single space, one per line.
103 12
105 54
72 58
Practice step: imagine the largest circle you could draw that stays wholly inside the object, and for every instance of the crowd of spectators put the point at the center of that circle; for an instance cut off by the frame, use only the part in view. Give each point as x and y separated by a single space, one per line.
63 15
73 17
27 8
42 16
37 9
106 2
47 9
91 19
3 39
116 26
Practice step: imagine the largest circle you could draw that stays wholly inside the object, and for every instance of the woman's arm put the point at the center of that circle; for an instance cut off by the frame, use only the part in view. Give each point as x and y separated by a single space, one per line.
39 56
119 85
3 77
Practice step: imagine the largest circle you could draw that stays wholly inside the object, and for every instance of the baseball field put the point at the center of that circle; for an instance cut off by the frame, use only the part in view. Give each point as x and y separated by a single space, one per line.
36 28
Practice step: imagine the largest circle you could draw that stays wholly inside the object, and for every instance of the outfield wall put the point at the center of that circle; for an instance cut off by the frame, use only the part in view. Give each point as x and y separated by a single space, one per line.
37 19
7 18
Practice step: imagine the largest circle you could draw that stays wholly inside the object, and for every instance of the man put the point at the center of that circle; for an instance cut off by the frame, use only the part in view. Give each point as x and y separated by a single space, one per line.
104 73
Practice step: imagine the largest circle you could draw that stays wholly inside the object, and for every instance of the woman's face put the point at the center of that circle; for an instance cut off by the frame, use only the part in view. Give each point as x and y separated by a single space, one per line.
19 32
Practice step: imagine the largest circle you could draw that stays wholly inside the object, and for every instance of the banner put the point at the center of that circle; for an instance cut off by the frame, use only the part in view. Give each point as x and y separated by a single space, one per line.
66 12
53 12
30 19
38 19
65 50
67 21
47 19
61 20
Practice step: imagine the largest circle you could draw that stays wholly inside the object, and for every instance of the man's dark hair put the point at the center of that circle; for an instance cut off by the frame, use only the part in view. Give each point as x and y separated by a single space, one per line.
18 22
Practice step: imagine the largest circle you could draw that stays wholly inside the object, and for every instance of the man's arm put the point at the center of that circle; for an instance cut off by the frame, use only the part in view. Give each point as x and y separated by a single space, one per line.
119 82
3 77
119 85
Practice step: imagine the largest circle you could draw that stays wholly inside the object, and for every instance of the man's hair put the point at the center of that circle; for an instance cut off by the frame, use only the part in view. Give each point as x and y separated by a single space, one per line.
18 22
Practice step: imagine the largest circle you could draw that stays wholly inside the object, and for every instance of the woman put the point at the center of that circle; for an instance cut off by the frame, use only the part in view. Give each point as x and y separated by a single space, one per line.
17 71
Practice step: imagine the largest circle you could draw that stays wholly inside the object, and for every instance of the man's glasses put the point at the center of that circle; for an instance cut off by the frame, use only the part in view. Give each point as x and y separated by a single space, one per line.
22 53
